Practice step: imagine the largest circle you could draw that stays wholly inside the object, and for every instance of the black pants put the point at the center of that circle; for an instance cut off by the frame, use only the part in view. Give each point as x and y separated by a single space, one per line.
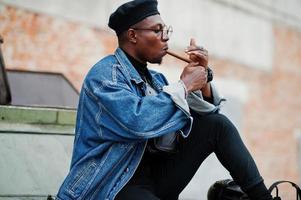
165 176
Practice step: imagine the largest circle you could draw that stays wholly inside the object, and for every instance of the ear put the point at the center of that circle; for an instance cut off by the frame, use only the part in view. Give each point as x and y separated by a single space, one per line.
131 35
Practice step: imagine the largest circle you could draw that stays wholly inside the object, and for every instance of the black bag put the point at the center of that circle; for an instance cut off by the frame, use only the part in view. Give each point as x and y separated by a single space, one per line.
275 186
229 190
226 190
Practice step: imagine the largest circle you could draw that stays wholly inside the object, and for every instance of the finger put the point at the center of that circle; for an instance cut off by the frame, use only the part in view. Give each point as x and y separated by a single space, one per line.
195 48
193 64
203 69
192 45
198 55
192 42
197 52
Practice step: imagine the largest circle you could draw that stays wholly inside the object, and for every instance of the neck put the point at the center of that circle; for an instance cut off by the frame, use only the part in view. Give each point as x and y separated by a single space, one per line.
140 67
135 62
130 51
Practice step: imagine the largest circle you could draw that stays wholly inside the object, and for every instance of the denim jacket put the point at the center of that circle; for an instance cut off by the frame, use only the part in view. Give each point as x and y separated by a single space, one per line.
114 122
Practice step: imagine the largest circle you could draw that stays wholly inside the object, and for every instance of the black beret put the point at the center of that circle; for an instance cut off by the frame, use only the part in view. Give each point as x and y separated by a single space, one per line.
131 13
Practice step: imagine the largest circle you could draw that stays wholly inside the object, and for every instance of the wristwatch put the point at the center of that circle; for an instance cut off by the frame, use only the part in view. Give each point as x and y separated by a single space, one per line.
209 75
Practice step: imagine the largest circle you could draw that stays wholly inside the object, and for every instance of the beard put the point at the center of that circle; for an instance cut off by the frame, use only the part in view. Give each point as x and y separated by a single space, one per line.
156 61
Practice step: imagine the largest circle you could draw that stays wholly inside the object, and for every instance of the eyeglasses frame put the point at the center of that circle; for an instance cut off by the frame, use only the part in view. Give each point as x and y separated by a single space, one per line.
165 31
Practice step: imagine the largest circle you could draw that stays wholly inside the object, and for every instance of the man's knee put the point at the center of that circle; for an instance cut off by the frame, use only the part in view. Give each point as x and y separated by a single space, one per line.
214 122
215 118
220 119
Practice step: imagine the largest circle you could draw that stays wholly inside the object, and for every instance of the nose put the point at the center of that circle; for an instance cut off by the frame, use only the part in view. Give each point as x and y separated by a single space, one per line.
166 32
165 38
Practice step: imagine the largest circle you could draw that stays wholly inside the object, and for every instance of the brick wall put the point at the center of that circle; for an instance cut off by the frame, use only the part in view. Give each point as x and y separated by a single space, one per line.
41 43
271 113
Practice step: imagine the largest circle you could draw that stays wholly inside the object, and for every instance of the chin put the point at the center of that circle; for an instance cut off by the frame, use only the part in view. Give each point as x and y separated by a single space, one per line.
156 61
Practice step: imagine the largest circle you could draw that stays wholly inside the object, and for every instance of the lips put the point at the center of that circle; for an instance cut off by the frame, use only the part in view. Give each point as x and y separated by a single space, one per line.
165 50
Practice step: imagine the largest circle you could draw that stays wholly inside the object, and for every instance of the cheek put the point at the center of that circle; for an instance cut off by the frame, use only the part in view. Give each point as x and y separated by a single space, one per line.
151 49
153 42
155 46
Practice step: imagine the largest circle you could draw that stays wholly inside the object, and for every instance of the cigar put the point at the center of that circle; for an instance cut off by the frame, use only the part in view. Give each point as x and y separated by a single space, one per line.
178 56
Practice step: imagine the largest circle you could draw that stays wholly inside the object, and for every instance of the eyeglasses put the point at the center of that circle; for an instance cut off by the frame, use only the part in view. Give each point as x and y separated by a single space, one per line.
165 31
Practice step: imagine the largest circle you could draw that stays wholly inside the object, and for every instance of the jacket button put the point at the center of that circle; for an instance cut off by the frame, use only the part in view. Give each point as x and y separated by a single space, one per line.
127 169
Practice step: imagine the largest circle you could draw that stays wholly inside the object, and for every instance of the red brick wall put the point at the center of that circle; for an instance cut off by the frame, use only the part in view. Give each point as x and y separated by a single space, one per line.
271 115
42 43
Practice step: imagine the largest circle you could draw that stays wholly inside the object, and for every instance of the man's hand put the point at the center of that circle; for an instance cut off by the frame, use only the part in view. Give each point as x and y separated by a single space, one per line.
194 77
197 54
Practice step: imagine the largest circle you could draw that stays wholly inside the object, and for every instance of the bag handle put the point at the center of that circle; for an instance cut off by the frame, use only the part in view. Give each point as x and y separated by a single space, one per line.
275 185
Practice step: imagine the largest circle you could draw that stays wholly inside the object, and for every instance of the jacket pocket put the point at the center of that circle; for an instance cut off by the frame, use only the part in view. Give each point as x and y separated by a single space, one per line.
81 180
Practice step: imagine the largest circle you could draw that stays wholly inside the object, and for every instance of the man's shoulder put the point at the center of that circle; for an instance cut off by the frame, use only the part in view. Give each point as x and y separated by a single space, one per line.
103 66
105 63
100 71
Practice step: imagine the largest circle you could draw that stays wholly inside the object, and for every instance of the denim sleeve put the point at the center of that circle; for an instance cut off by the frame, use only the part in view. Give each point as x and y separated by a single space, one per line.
131 116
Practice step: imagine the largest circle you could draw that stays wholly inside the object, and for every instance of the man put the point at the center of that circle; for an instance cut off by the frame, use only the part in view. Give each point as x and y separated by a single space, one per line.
136 136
